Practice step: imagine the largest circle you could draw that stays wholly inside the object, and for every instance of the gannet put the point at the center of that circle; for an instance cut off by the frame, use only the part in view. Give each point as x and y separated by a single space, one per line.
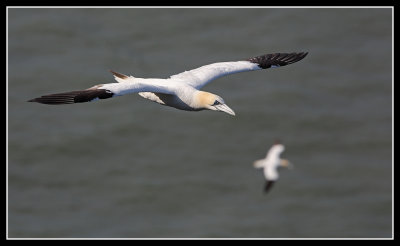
271 163
181 91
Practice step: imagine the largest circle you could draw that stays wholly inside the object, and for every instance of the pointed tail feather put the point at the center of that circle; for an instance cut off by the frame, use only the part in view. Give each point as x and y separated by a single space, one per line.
119 76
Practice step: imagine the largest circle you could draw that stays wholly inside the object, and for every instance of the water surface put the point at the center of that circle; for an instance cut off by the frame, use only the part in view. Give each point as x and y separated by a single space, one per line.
128 167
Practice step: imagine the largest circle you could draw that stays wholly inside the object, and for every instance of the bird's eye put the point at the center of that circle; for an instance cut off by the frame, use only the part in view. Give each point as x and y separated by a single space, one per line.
216 103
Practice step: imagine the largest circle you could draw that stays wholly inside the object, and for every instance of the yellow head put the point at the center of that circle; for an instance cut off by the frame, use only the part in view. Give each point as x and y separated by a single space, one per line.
206 100
286 163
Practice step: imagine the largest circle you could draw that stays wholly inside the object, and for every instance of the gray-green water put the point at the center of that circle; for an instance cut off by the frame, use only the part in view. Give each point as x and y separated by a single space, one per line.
127 167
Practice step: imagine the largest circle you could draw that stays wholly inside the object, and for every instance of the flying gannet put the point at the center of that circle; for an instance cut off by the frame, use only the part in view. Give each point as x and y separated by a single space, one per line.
181 91
271 163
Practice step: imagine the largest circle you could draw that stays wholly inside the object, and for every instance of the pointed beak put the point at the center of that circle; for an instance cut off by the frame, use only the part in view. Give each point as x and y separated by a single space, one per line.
225 108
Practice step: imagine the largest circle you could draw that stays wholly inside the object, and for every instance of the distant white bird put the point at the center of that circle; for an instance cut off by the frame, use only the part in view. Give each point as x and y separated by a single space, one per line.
180 91
271 163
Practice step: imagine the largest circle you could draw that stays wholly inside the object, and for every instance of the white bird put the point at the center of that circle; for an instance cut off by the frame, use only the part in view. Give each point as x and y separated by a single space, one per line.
271 163
181 91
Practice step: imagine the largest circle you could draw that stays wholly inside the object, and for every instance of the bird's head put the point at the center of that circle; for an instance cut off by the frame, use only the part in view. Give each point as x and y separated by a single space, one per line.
206 100
285 163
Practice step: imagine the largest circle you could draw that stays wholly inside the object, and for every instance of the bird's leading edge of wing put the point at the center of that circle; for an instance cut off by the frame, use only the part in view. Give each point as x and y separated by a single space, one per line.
104 91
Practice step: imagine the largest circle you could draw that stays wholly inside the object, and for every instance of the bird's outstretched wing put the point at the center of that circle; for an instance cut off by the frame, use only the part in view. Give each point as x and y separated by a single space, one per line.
104 91
199 77
259 163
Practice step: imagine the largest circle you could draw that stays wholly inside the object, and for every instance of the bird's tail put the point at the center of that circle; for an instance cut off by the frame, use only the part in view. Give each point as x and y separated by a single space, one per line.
119 77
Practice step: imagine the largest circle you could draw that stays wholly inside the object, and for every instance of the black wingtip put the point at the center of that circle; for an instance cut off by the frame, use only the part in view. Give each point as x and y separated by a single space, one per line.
268 186
277 59
73 97
55 99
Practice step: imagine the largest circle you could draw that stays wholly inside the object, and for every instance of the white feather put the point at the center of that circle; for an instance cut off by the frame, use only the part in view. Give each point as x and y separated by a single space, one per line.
271 162
135 85
199 77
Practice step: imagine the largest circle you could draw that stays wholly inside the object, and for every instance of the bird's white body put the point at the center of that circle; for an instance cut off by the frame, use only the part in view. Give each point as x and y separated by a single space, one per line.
180 91
180 94
271 164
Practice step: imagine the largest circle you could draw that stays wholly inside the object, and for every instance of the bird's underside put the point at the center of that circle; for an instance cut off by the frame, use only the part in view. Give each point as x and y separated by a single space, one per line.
167 100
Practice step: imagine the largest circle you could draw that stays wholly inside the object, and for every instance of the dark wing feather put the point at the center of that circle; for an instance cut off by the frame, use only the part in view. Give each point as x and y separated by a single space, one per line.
277 59
268 186
73 97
